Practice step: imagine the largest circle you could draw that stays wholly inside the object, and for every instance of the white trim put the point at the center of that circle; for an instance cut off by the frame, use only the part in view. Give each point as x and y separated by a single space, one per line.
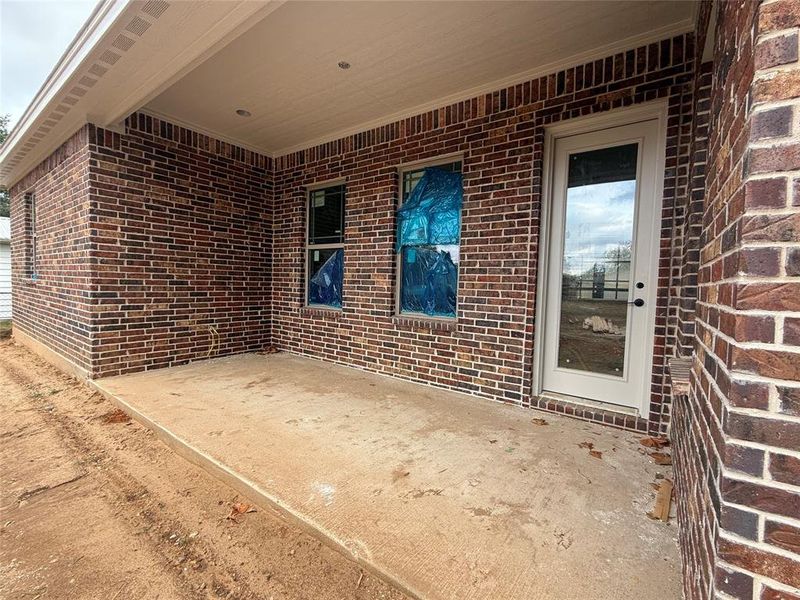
656 110
439 159
102 19
321 185
198 129
629 43
199 33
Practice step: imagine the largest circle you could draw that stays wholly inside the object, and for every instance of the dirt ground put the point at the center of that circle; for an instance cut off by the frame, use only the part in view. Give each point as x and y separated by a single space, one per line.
588 351
92 505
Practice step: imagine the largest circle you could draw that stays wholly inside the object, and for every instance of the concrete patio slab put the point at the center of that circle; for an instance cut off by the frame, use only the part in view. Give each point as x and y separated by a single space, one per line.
447 496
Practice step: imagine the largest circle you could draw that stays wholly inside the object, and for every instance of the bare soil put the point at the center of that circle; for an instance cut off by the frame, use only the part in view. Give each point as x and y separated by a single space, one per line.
92 505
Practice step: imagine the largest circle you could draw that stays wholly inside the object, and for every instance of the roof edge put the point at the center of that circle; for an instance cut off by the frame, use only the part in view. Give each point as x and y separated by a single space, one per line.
103 17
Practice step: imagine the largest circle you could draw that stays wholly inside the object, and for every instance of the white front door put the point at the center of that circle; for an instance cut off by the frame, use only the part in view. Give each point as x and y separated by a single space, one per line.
598 312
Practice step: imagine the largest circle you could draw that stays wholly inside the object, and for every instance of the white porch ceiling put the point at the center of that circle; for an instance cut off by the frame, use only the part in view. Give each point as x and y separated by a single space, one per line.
405 57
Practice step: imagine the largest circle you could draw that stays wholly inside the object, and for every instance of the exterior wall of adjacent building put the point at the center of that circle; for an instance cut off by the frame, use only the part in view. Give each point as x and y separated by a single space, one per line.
737 433
5 268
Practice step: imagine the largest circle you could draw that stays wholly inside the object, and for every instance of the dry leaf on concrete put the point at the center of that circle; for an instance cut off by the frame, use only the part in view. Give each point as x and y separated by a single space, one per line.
660 458
654 442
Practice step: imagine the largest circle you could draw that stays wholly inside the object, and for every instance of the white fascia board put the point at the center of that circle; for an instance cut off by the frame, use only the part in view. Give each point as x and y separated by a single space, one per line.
181 36
102 19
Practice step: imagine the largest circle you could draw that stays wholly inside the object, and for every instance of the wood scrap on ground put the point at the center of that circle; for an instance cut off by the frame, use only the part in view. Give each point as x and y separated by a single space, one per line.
663 503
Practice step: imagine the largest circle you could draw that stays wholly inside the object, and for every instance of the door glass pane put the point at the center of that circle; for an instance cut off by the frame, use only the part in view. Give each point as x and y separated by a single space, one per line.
596 266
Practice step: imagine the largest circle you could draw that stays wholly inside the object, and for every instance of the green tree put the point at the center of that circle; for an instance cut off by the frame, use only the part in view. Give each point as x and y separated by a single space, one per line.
5 197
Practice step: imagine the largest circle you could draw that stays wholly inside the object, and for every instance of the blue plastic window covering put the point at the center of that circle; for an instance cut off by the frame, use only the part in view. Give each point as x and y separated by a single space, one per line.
428 234
327 273
429 280
432 213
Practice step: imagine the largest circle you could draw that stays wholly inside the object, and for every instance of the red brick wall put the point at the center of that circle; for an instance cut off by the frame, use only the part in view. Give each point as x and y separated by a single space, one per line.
56 308
489 351
737 434
181 232
182 225
688 215
162 245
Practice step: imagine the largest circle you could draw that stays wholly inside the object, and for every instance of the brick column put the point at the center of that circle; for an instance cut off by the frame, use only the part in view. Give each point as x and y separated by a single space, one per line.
754 300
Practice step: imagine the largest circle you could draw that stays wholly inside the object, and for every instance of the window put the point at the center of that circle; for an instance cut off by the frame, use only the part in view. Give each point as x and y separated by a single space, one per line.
428 239
32 237
325 247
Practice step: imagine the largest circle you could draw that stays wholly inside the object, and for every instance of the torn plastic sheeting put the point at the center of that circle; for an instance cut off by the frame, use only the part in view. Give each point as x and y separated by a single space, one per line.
432 214
326 284
430 282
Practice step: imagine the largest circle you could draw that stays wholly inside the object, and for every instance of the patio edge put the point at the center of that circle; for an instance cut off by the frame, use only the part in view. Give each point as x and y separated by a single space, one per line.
249 489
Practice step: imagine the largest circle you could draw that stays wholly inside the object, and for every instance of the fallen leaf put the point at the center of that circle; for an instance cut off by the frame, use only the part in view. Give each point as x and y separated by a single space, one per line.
539 421
588 445
661 458
654 442
240 508
596 453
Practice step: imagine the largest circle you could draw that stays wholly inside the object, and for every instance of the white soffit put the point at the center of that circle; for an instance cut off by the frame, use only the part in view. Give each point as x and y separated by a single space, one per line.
126 53
406 57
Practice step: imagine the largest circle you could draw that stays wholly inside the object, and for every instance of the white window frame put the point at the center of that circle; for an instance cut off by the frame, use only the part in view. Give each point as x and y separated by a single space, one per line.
309 246
402 169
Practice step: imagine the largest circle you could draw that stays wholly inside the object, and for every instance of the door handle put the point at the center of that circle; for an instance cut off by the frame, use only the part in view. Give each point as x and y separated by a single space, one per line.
637 302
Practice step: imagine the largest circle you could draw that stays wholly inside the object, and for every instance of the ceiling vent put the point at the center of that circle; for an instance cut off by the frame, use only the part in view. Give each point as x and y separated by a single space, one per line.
137 26
155 8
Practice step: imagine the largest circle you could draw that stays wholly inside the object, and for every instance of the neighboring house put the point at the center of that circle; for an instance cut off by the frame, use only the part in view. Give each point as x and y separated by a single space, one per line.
5 268
442 192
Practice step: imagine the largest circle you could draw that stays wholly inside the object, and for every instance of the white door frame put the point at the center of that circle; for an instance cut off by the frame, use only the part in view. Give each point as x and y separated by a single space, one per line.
656 110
